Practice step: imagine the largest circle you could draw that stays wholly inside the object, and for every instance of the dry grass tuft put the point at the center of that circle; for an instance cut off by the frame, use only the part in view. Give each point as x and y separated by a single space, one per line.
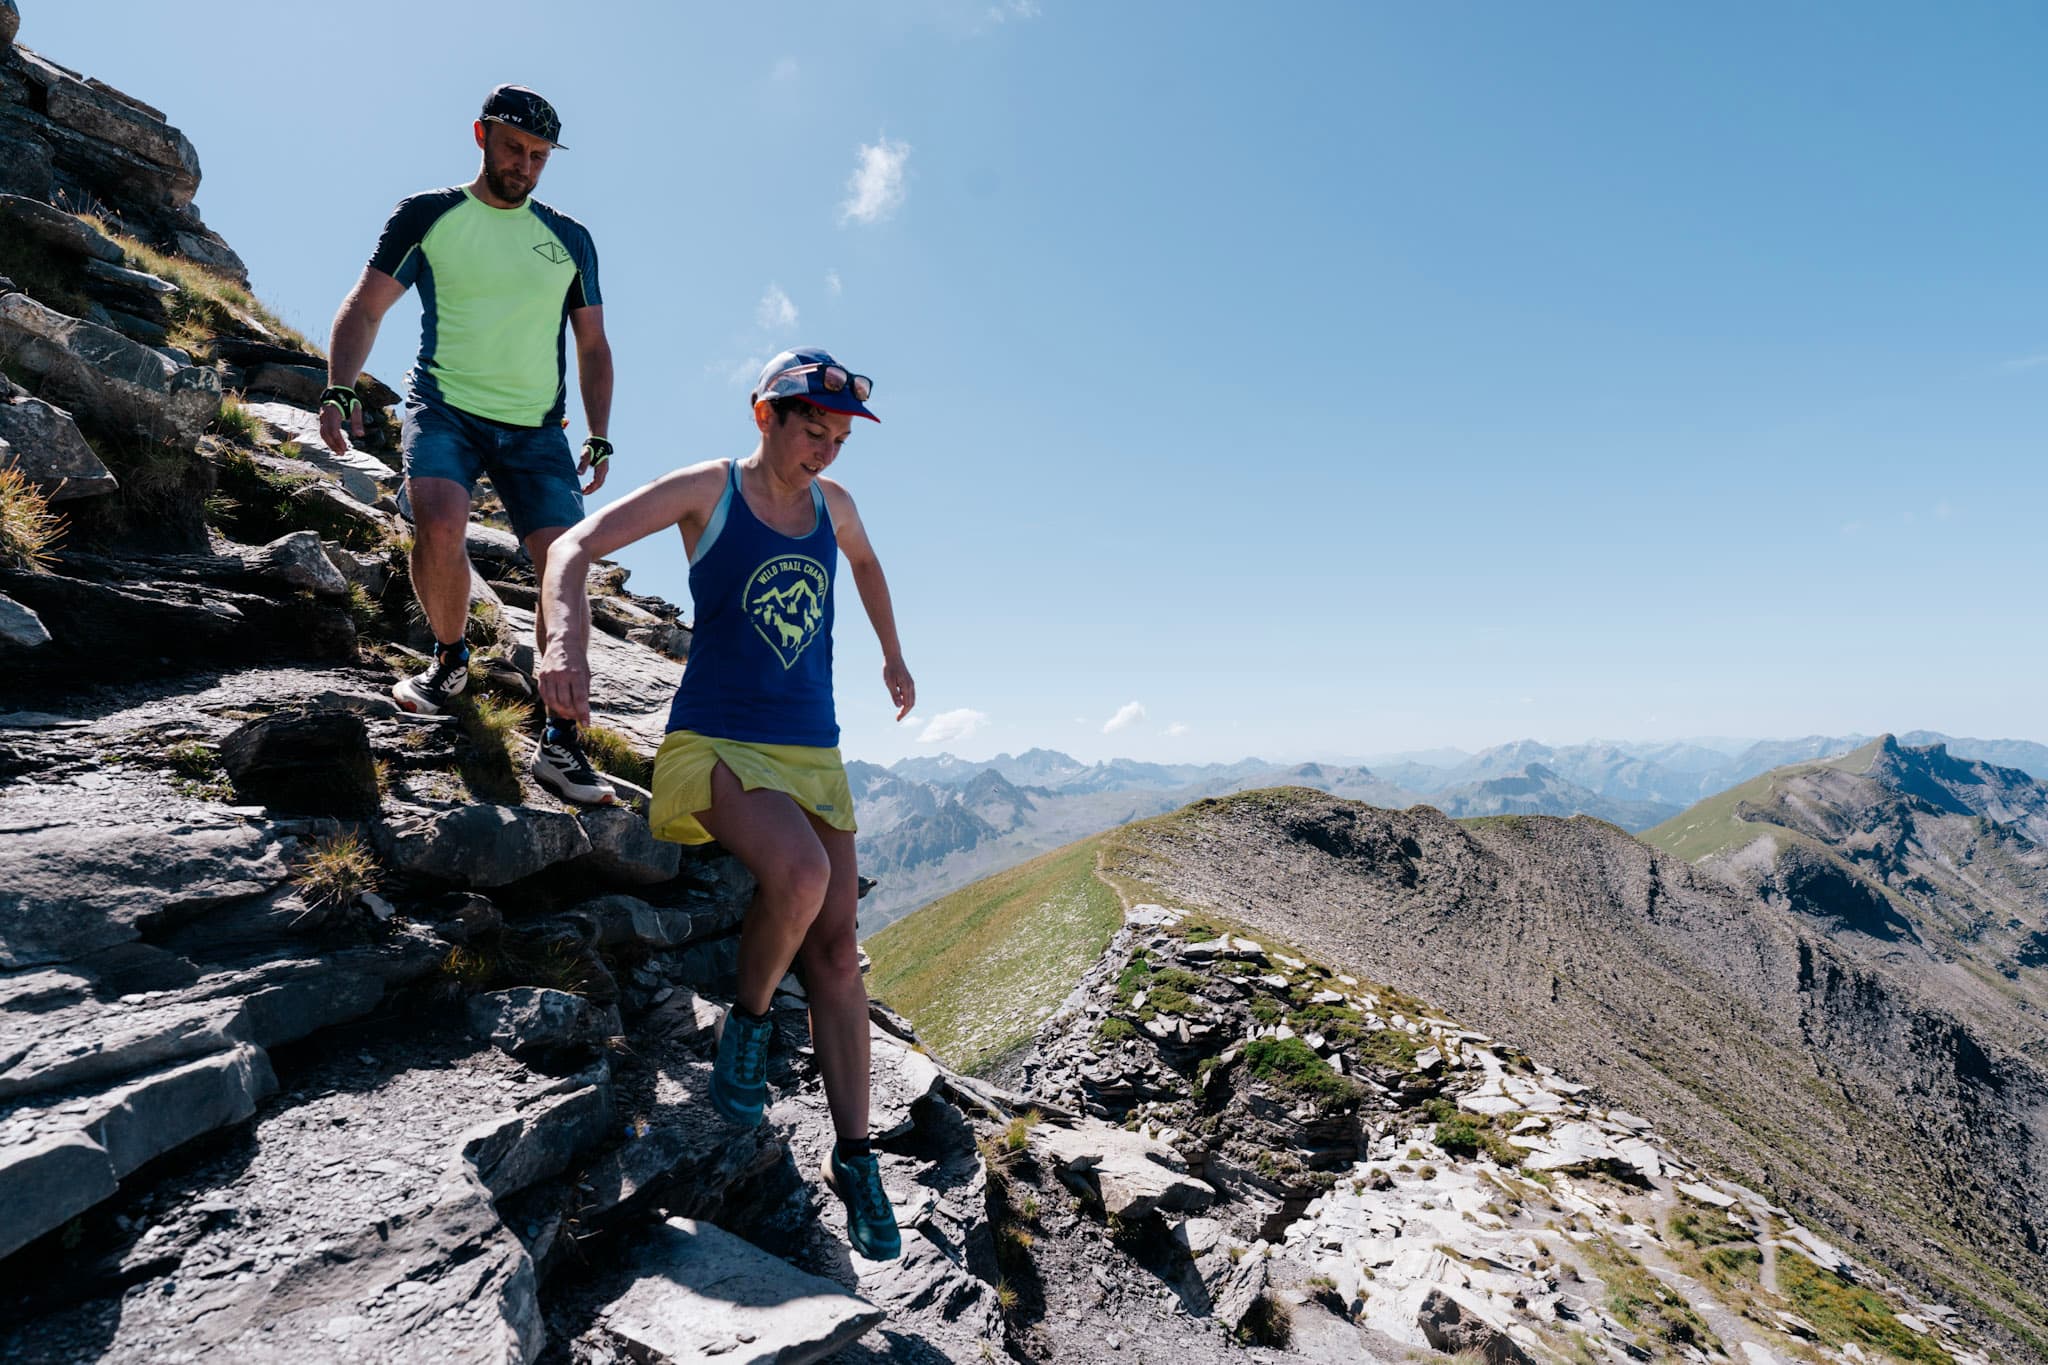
336 871
28 528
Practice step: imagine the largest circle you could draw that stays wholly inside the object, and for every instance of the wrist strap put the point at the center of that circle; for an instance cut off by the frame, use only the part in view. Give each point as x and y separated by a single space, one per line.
342 397
598 449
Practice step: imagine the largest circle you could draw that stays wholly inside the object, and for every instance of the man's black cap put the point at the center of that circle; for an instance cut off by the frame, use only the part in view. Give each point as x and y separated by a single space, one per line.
517 107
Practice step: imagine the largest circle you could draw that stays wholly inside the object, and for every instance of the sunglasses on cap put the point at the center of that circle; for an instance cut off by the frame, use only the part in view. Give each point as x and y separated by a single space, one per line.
832 378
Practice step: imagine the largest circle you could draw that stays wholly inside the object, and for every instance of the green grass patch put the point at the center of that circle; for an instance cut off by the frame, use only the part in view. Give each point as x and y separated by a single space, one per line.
978 970
235 421
613 753
1843 1312
1644 1302
1114 1030
1291 1065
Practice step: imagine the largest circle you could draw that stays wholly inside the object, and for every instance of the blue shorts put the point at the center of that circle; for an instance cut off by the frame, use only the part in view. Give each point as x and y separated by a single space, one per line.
531 467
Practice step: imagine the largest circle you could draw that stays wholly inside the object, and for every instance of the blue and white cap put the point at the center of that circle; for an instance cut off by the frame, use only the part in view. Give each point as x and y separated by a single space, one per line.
810 374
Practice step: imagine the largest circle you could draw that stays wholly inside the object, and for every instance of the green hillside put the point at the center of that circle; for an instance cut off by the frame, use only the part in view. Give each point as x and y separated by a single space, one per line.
979 970
1715 825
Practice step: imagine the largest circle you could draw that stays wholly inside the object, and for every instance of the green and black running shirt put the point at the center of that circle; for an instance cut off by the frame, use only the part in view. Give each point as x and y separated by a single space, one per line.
496 285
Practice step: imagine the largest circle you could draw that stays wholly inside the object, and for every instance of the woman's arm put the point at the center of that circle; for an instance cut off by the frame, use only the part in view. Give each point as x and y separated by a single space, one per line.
874 594
672 499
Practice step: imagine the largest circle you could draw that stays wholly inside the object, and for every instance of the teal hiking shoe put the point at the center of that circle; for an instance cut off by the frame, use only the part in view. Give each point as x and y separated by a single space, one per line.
870 1220
739 1078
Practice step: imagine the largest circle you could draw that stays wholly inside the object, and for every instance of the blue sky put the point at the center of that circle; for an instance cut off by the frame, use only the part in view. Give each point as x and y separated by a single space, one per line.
1300 381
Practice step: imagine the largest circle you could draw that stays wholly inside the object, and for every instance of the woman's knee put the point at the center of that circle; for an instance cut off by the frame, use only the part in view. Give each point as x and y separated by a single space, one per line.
796 880
831 959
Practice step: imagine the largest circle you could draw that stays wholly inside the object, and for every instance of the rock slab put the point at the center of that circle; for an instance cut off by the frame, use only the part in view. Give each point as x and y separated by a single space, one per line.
702 1293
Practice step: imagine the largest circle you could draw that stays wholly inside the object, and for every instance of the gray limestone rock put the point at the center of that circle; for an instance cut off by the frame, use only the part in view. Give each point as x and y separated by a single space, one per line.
122 385
79 1151
624 849
480 845
1133 1175
311 762
56 228
10 22
300 384
329 502
47 446
297 560
615 921
514 1150
49 1181
630 689
535 1020
116 120
703 1293
88 868
491 545
1454 1323
21 628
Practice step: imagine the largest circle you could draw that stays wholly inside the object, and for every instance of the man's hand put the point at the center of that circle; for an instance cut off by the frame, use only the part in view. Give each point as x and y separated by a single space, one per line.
336 404
565 685
596 461
902 687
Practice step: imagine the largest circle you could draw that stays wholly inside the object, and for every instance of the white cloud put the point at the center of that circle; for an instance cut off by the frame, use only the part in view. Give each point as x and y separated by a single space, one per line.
1127 715
785 70
832 283
2025 362
950 726
775 312
876 189
740 373
1176 730
1012 9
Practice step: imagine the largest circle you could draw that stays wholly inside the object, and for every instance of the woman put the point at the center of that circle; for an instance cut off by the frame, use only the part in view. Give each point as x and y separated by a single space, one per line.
751 757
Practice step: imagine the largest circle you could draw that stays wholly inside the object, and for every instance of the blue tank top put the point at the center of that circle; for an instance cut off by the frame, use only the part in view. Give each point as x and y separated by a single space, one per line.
760 667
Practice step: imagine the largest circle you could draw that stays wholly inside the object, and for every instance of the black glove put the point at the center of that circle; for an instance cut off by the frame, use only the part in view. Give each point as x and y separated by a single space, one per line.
597 450
343 397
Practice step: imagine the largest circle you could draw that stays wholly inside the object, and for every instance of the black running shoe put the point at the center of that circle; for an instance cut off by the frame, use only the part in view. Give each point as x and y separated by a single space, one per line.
560 766
429 692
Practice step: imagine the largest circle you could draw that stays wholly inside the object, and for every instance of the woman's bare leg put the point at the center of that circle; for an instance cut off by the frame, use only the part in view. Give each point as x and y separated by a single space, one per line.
829 964
769 832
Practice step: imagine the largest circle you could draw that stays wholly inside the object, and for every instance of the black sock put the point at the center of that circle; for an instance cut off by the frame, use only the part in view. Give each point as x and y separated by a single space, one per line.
559 731
457 653
849 1148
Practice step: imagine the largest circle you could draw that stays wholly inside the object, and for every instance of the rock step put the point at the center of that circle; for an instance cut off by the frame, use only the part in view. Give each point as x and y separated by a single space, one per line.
353 1220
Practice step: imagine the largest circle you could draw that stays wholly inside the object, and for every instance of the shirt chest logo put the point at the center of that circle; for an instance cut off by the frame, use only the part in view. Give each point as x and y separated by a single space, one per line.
785 599
553 252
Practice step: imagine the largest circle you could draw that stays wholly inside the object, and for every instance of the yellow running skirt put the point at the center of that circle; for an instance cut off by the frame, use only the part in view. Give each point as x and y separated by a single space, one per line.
814 778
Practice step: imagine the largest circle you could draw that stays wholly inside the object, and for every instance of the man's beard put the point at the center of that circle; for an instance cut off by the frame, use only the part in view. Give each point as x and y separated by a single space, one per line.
503 186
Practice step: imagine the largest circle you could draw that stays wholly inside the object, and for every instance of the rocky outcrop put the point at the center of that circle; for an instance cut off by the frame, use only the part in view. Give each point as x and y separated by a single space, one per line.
44 443
701 1292
127 387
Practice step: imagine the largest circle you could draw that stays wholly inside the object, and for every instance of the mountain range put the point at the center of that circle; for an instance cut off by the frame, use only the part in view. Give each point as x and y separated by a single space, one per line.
930 825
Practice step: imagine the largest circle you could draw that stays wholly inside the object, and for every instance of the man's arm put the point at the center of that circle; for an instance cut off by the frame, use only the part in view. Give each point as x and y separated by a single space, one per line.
682 498
874 594
348 347
594 377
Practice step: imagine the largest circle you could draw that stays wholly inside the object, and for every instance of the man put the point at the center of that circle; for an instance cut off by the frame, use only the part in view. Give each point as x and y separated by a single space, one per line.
498 273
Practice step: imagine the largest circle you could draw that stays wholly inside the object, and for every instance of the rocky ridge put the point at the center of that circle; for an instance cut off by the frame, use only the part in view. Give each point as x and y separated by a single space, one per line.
1341 1167
1883 1086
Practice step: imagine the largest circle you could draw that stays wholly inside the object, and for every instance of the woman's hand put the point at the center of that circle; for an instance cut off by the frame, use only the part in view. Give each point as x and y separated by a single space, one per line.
902 687
565 684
